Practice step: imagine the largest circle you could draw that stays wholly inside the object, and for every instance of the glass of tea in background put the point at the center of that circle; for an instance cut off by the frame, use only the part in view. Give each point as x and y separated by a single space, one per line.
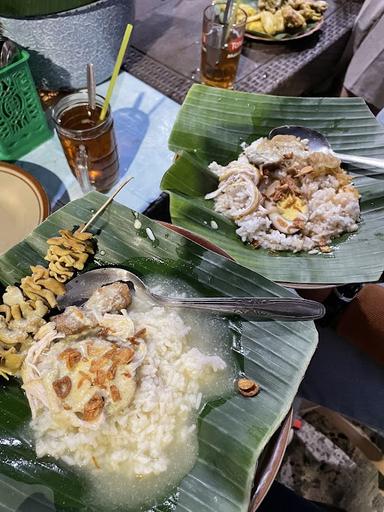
88 143
221 46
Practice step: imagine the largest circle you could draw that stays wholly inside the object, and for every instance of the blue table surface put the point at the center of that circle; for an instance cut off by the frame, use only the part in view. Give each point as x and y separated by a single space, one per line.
143 120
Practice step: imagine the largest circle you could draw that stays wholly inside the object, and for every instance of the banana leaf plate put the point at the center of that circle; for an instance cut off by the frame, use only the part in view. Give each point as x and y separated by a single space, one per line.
282 37
232 431
213 123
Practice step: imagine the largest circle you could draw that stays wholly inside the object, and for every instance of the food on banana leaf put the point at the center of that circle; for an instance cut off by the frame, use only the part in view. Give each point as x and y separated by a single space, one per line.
115 387
284 197
23 308
68 253
99 377
272 17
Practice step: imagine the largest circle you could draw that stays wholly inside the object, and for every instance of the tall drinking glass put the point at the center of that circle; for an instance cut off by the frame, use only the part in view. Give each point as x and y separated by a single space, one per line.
88 143
221 46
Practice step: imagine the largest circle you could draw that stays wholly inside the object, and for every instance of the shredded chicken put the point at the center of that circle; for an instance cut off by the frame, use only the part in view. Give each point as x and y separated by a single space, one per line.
32 383
110 298
84 376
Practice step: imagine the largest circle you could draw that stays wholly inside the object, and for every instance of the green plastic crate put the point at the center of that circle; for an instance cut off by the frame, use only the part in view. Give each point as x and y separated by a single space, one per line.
23 124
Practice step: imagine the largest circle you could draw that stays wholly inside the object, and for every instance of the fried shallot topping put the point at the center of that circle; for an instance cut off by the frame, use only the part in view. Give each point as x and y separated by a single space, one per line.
304 170
97 364
109 354
92 350
111 373
298 223
286 186
139 334
93 408
115 393
62 387
95 462
71 356
84 377
123 356
101 378
104 368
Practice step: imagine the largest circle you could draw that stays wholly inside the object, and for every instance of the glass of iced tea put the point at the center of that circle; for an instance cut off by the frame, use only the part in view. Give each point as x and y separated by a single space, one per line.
88 143
221 46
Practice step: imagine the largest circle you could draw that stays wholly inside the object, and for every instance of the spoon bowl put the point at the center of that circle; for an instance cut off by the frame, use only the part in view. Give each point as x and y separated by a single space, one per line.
79 289
318 142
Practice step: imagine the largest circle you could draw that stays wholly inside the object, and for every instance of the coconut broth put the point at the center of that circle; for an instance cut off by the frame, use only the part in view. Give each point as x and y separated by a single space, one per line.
121 490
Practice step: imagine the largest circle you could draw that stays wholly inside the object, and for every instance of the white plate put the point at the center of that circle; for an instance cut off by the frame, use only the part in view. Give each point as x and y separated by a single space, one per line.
23 205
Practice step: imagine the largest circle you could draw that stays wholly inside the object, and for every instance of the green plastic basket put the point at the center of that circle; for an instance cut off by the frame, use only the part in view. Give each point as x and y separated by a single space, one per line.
23 125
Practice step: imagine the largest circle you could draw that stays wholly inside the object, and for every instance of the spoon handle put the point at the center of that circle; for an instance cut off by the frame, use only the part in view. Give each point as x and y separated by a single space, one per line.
363 160
257 308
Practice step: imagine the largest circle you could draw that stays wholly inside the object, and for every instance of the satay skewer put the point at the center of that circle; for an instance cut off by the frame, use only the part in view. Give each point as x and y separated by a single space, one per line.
104 205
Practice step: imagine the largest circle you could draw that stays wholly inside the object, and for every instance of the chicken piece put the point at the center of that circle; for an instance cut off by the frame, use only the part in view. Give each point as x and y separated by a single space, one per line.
110 298
273 23
12 336
74 320
310 14
278 20
319 6
323 163
293 19
255 26
270 152
269 5
11 359
268 21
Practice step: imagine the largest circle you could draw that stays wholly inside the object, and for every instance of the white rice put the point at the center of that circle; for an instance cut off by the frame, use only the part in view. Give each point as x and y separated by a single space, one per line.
163 412
332 209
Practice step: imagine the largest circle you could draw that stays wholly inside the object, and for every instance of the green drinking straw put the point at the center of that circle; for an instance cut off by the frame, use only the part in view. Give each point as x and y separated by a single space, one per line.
116 69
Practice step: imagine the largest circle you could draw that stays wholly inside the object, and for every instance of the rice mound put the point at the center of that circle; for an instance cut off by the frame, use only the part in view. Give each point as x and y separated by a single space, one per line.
162 413
252 188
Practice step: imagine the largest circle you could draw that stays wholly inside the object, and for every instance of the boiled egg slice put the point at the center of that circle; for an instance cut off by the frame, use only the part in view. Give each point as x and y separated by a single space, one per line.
287 212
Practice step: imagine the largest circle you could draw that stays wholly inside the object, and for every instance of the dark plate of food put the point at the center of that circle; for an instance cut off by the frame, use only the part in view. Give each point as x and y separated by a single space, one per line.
283 20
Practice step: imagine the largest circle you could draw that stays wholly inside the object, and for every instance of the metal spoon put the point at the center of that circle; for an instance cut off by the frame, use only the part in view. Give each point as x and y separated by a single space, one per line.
82 287
317 142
